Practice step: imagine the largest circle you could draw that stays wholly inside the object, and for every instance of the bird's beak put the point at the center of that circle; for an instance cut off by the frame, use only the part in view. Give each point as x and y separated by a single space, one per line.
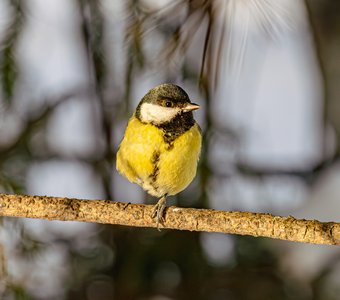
190 107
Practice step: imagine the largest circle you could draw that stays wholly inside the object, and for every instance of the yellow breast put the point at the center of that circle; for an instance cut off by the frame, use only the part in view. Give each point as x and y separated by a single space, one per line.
160 168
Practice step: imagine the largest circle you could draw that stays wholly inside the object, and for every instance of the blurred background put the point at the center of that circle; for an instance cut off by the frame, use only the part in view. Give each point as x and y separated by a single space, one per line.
266 75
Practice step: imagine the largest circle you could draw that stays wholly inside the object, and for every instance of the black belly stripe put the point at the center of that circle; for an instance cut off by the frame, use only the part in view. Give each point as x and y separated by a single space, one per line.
153 176
171 131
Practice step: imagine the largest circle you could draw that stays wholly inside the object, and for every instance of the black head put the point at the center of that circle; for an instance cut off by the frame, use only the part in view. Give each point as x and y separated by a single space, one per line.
163 104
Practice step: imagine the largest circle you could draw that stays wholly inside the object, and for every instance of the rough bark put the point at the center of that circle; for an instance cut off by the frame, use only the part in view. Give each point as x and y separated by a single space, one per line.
139 215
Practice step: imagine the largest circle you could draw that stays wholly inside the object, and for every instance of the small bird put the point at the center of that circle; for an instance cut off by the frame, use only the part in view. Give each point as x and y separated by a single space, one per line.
161 145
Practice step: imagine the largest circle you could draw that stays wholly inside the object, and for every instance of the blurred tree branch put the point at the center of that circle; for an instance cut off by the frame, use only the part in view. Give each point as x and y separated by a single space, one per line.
139 215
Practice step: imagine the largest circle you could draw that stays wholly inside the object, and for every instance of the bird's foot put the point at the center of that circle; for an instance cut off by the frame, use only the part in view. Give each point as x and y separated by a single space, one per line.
158 211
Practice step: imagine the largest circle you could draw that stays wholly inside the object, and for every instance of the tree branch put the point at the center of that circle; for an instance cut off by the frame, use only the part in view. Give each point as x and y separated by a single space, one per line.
139 215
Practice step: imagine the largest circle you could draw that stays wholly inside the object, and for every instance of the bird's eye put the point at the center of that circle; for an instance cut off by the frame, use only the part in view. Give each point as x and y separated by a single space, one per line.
168 104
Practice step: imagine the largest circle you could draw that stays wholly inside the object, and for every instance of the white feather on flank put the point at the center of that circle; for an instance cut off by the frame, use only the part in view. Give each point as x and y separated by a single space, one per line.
156 114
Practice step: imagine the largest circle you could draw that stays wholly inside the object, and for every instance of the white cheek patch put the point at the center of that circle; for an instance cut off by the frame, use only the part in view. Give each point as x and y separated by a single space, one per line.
156 114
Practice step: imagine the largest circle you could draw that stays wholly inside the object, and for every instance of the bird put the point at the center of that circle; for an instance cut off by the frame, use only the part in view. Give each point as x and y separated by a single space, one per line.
161 145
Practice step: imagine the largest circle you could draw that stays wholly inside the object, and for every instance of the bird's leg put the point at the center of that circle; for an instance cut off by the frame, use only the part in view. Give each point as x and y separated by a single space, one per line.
158 210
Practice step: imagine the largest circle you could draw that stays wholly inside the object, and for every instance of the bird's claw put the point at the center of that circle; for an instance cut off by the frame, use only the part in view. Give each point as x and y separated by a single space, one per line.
158 211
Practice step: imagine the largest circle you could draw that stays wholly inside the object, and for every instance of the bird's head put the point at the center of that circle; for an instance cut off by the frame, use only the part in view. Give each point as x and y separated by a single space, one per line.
164 103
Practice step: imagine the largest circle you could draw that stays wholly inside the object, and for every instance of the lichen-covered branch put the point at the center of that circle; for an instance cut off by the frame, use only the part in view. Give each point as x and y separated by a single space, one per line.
109 212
